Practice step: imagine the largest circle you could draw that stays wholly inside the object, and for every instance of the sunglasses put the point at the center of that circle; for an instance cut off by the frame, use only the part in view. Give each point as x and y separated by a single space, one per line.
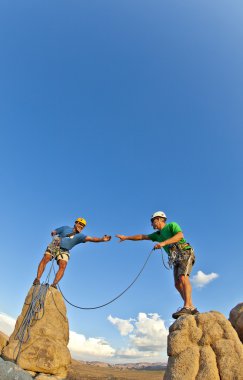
81 224
152 220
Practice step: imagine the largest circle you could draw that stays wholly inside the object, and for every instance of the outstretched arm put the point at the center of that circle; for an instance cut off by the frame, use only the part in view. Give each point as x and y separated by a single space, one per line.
134 237
97 240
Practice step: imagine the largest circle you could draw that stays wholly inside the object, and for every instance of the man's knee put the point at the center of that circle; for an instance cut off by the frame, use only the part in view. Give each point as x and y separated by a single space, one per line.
46 258
181 279
62 264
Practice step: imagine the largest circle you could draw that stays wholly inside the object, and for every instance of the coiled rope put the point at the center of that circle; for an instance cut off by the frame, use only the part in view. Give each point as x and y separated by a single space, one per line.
114 299
36 307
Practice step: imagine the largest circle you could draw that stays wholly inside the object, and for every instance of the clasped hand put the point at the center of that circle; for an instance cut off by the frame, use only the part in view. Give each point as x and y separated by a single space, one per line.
159 245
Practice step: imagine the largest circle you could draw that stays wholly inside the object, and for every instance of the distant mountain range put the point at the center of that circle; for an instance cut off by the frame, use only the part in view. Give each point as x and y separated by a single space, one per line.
138 366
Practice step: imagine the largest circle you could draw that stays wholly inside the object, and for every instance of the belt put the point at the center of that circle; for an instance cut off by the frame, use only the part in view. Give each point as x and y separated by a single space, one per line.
64 249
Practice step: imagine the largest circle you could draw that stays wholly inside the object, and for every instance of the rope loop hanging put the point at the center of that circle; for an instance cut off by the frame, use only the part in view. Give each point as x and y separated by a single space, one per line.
115 298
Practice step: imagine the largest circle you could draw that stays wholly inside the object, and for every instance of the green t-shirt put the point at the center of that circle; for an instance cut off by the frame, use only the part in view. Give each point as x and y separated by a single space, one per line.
169 230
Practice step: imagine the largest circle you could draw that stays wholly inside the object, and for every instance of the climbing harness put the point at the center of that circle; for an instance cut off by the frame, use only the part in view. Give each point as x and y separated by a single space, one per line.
179 252
55 250
115 298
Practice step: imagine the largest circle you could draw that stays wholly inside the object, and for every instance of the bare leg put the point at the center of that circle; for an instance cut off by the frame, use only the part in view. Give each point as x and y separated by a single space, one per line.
179 287
46 258
185 289
62 266
183 286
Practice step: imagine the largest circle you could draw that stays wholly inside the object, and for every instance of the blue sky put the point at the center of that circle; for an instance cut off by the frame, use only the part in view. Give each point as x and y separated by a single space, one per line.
112 110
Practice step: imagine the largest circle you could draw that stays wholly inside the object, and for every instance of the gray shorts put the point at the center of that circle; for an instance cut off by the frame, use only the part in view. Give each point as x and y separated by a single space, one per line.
184 265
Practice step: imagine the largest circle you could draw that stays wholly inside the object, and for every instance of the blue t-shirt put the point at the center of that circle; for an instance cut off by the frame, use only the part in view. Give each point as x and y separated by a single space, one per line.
69 242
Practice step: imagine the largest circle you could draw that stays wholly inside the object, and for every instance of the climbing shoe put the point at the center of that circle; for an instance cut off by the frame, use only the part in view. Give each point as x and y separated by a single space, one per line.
194 311
54 286
36 281
182 311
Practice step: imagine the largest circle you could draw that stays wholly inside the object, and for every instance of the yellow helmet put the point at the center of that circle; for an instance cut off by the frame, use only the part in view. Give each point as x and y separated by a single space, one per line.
81 220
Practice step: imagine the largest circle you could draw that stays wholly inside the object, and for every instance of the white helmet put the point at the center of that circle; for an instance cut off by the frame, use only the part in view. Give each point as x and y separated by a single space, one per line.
160 214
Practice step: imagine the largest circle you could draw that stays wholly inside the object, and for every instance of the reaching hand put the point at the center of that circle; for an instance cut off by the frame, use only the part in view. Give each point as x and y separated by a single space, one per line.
106 238
121 237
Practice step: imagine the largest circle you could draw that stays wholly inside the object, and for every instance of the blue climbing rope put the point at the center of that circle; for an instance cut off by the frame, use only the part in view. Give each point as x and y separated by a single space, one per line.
36 306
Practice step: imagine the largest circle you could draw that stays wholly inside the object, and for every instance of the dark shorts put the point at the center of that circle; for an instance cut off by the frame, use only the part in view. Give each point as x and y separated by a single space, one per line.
184 265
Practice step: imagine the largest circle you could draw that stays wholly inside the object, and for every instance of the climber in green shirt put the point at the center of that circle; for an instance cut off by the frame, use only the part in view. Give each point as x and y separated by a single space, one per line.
181 256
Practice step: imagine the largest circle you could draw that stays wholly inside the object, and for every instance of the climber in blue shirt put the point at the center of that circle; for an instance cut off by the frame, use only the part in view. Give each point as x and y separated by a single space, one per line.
64 239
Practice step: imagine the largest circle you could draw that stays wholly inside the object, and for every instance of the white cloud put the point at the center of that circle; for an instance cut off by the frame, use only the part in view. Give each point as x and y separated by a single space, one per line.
89 347
7 324
146 340
150 333
201 279
148 337
124 326
79 345
133 353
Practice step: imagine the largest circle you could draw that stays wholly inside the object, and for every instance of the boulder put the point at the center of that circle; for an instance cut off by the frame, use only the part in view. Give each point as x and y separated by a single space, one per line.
10 371
41 344
3 341
204 346
42 376
236 319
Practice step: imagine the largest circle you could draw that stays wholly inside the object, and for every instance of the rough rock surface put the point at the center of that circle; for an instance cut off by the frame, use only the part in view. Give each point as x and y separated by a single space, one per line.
48 377
45 349
10 371
204 346
3 340
236 319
